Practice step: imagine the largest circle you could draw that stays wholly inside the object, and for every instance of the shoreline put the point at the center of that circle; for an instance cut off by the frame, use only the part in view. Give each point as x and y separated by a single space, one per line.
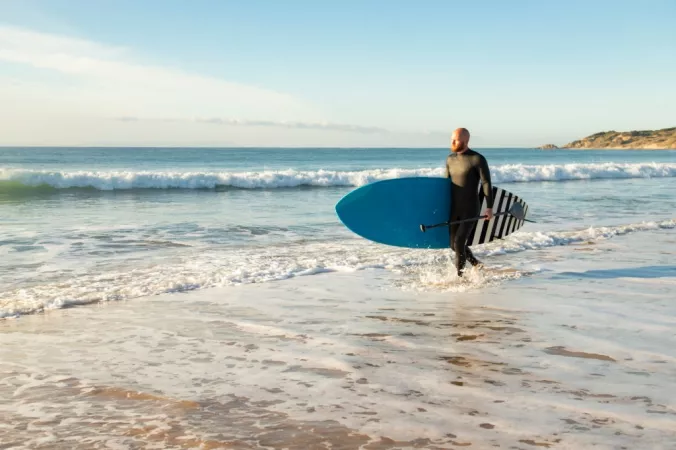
532 359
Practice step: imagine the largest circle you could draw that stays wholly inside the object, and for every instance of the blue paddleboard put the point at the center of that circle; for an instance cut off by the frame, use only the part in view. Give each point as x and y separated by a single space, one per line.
391 211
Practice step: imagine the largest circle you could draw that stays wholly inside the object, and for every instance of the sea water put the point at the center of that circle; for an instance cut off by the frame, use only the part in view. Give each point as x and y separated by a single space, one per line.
99 224
210 298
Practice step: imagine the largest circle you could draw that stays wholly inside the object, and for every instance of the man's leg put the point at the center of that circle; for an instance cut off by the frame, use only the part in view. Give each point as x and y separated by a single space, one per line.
459 234
459 245
470 256
453 232
471 259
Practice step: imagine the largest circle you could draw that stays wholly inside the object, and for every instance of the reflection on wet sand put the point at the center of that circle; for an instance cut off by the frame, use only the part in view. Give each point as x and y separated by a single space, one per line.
561 351
290 372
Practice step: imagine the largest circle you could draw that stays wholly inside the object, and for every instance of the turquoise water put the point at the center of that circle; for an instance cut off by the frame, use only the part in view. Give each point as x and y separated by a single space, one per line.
250 159
87 225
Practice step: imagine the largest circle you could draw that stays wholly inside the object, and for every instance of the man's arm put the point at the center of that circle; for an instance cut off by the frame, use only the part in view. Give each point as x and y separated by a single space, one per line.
486 184
447 174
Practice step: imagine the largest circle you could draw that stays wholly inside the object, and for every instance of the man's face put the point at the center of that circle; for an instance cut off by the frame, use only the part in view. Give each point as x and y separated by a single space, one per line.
458 142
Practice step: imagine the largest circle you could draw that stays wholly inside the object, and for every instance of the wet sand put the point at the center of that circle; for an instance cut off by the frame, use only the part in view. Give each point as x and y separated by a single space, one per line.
348 361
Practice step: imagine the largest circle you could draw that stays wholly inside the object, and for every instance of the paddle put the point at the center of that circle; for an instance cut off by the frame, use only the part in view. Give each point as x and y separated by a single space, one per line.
516 211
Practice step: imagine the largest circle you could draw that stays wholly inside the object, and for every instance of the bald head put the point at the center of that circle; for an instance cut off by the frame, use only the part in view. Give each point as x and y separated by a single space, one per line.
460 140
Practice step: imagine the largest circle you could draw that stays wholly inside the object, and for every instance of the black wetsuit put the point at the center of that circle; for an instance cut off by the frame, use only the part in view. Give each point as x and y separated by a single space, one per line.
466 171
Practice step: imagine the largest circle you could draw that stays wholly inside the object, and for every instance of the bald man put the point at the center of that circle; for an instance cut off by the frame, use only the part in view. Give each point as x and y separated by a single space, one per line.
466 169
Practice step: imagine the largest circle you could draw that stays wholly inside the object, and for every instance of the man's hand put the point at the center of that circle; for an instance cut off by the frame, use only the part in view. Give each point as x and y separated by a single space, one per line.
489 213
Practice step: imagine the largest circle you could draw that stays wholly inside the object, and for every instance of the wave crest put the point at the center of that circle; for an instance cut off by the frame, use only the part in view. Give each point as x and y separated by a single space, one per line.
506 173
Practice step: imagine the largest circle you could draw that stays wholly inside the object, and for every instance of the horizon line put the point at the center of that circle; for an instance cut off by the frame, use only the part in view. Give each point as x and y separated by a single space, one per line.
259 147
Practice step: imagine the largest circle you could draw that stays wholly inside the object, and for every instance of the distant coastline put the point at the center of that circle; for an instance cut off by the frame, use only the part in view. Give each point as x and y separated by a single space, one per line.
664 139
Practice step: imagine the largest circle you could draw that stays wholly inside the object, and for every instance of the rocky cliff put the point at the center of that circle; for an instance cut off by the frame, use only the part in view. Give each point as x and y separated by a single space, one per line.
646 139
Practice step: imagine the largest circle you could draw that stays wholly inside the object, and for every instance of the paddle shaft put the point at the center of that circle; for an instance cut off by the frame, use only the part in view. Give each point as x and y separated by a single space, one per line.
445 224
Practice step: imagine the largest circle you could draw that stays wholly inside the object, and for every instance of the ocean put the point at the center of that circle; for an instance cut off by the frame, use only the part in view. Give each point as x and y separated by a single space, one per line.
177 298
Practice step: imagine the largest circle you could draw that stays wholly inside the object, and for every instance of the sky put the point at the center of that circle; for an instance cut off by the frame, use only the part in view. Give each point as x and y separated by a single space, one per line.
343 73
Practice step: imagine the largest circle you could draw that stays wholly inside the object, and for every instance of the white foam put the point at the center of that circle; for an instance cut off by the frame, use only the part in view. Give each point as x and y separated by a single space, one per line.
392 364
271 179
200 268
520 241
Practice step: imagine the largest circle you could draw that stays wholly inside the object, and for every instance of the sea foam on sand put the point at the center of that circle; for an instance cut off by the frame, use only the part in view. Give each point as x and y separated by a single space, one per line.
574 356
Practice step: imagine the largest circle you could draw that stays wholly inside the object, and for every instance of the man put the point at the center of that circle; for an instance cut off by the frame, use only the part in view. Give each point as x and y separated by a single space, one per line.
466 168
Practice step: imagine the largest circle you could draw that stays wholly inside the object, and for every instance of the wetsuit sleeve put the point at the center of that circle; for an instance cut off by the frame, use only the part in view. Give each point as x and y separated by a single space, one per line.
447 174
485 175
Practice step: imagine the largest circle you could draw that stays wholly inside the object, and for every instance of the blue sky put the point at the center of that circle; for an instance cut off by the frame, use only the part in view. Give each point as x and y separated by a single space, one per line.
341 73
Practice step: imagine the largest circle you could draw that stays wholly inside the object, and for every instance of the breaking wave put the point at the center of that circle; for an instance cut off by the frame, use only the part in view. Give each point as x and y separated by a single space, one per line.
125 180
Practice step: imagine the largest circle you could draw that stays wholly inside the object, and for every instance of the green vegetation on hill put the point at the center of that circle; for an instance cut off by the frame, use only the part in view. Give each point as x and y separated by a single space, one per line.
646 139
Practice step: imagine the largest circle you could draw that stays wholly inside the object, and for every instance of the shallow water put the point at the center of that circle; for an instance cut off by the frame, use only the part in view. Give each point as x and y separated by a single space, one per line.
570 356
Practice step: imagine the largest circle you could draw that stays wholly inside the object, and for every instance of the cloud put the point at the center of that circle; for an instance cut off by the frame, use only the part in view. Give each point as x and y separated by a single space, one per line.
64 91
296 125
108 79
327 126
